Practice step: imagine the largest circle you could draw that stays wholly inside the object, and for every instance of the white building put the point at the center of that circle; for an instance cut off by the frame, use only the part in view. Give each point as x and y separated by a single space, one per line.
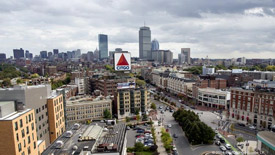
208 70
80 82
213 98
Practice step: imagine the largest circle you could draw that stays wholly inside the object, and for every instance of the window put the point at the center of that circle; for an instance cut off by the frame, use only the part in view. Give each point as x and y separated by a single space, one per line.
29 139
19 147
29 150
23 133
21 123
30 117
16 126
34 145
27 130
26 119
37 111
17 137
32 126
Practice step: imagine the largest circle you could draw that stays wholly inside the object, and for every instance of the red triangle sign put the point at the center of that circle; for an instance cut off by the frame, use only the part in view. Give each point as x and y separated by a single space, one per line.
122 61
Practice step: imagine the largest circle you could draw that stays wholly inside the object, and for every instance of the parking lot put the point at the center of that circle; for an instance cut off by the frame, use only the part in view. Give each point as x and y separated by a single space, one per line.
144 133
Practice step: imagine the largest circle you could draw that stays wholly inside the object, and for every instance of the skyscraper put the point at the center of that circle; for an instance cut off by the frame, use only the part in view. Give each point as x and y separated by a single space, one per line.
184 57
2 57
155 45
145 43
55 51
103 46
43 54
18 53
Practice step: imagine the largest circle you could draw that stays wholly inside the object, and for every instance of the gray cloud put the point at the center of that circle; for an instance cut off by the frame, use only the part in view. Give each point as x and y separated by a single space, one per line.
216 28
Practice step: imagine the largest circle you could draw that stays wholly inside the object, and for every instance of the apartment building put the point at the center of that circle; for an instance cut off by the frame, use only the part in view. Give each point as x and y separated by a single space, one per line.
83 108
80 82
127 101
56 116
213 98
18 130
108 86
32 97
253 106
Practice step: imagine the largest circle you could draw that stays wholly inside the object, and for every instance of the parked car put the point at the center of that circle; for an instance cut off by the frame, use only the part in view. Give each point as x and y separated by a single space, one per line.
227 146
222 148
241 124
128 128
139 140
175 135
252 127
228 153
235 153
222 140
169 125
218 143
140 131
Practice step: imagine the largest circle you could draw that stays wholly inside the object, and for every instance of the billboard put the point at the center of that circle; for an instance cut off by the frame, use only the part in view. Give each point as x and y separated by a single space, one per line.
122 61
126 85
237 70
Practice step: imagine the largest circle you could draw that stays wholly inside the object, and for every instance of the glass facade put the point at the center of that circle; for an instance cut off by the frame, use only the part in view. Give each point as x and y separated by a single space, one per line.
103 46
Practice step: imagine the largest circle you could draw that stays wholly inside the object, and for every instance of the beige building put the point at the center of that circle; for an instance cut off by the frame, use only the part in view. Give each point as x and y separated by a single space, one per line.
56 116
83 108
127 101
18 132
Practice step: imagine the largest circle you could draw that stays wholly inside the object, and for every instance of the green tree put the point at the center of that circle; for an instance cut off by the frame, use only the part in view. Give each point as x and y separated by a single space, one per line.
153 106
240 139
127 119
107 114
18 81
195 70
144 117
138 117
139 147
137 111
35 75
6 82
140 82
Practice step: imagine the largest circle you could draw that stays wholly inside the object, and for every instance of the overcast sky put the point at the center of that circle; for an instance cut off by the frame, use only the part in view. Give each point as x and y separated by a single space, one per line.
217 28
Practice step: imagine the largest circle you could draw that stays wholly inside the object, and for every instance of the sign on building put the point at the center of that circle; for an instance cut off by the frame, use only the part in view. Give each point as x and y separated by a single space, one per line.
126 85
122 61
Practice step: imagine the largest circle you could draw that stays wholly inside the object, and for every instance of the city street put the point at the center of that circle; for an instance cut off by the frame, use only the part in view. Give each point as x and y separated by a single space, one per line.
181 142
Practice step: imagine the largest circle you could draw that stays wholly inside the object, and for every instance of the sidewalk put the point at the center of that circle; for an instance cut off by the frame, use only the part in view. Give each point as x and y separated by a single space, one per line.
161 149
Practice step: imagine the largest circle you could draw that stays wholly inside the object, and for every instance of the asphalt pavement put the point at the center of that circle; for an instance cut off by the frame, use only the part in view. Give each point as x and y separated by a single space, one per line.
181 142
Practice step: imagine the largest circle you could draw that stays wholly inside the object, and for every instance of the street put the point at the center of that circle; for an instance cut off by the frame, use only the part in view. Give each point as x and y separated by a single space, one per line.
181 142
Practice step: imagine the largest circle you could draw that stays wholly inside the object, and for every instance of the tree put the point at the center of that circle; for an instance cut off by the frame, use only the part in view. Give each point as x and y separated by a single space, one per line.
140 82
137 111
6 82
34 75
138 117
153 106
145 117
18 81
127 119
139 147
107 114
240 139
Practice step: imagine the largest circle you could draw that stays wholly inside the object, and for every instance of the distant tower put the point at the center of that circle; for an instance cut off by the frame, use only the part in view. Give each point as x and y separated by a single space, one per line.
185 52
103 46
155 45
145 43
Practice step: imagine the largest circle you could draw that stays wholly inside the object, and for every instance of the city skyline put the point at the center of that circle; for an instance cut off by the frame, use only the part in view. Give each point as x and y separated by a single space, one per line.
217 29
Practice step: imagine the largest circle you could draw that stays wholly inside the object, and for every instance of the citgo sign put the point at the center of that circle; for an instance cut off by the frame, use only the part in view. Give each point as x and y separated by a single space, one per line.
122 61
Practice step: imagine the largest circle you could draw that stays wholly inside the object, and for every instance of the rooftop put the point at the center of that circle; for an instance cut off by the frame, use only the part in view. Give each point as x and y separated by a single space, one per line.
94 138
86 99
14 115
267 137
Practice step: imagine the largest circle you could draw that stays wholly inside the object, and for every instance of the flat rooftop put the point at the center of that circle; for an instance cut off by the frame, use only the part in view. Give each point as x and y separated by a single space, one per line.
75 100
96 138
14 115
268 137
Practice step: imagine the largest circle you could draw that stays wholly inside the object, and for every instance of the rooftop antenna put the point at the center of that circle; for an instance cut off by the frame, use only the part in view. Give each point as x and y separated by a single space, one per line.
144 23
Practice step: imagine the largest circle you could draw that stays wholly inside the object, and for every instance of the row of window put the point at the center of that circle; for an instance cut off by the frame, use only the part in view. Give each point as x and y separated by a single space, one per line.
28 119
